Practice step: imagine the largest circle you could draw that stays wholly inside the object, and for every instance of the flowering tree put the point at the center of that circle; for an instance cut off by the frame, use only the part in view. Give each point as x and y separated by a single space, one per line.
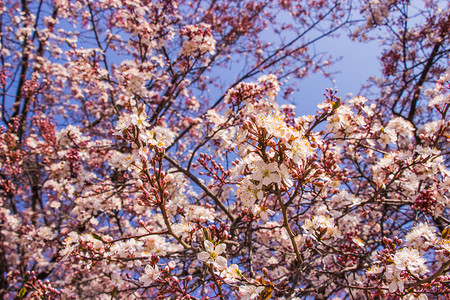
131 167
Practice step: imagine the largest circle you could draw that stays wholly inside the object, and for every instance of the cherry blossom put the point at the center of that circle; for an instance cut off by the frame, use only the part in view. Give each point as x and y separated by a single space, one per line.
161 150
250 291
211 255
150 275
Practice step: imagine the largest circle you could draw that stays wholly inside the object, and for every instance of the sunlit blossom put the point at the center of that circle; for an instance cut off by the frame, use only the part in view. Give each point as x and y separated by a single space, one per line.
150 275
211 255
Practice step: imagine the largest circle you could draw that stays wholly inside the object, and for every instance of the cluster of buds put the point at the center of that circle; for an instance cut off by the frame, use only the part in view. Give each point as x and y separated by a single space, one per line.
153 185
213 169
35 288
425 201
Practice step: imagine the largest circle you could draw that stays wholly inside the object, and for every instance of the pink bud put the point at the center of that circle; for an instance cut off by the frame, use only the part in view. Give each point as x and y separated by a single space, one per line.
172 264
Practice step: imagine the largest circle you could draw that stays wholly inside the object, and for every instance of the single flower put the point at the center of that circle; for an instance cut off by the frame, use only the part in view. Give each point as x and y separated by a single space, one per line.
150 275
211 255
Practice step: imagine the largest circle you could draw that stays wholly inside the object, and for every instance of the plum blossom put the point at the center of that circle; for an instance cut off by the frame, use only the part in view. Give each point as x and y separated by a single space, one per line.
265 173
443 96
250 291
211 255
285 175
273 84
395 128
65 190
151 274
199 40
440 100
405 260
413 296
158 136
298 150
321 227
358 100
138 118
374 270
248 192
231 274
275 126
410 259
394 279
341 119
70 244
422 236
262 211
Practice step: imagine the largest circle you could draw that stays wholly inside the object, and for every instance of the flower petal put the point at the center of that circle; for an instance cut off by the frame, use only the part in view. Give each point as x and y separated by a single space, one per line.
203 256
209 247
220 263
220 248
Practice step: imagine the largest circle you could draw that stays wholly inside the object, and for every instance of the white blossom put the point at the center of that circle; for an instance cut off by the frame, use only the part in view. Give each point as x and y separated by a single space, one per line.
211 255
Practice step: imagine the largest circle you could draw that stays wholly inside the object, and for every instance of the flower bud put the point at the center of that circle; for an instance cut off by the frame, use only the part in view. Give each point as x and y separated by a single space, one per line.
171 264
139 183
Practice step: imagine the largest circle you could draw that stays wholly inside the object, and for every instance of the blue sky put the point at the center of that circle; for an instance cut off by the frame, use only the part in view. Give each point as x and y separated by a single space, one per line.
358 62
